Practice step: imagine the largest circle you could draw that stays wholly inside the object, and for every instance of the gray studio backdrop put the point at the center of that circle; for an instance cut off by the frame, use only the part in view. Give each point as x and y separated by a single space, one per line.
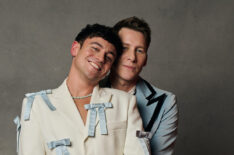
191 55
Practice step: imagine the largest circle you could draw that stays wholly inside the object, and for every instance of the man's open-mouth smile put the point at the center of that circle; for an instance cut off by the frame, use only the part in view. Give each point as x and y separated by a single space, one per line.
95 65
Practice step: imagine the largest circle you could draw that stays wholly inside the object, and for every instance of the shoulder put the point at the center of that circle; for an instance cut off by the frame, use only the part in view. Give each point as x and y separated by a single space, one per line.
162 91
40 96
169 100
37 102
143 83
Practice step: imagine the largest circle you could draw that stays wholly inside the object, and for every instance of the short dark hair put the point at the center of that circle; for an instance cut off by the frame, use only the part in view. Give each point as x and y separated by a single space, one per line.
105 32
136 24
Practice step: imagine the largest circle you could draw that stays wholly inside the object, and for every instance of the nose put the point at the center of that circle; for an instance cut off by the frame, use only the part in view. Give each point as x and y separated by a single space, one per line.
101 56
131 54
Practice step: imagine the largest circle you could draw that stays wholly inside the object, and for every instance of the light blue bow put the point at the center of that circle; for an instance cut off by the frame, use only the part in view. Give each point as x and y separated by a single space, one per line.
60 146
18 127
30 99
102 117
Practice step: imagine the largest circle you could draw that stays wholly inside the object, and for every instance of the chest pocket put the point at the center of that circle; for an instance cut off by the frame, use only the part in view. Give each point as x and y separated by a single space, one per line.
117 127
60 146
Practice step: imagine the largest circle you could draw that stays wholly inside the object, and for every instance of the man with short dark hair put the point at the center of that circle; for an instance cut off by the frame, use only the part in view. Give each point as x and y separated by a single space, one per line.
157 107
79 117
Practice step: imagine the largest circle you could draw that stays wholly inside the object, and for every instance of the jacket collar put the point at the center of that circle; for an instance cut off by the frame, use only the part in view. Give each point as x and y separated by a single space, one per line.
145 88
142 86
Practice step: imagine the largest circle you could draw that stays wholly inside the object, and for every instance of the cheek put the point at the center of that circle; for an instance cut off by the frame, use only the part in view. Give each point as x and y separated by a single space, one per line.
141 61
121 59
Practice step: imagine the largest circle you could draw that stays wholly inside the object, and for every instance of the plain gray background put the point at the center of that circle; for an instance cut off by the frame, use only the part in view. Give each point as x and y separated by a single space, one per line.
191 55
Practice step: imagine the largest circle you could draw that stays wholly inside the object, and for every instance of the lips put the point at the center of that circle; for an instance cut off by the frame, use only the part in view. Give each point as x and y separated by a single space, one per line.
129 67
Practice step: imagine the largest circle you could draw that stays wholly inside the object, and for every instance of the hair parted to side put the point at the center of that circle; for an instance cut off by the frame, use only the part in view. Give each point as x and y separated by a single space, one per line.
136 24
105 32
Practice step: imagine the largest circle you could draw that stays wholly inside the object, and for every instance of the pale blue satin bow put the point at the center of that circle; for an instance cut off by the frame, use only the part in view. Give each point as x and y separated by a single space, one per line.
102 117
60 146
18 127
30 99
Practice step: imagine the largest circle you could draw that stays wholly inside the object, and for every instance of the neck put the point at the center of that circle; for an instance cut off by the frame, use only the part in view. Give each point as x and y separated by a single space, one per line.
77 85
122 84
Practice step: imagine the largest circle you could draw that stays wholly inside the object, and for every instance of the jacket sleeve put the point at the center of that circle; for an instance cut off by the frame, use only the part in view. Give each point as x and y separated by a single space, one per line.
30 141
133 144
165 137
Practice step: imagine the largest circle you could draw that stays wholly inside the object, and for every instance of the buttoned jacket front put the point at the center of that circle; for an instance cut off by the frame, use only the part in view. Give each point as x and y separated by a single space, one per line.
46 126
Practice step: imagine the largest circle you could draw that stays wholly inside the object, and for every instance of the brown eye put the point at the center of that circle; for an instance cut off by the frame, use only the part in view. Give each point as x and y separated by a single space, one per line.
95 49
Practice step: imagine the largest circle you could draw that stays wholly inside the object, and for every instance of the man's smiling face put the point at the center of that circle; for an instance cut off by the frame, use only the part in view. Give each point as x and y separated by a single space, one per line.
94 58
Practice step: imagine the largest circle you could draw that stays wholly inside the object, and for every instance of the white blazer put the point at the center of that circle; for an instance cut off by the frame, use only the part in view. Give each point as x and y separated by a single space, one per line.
56 127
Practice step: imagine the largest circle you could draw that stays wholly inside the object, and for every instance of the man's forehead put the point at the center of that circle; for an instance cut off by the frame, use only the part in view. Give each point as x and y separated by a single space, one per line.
132 37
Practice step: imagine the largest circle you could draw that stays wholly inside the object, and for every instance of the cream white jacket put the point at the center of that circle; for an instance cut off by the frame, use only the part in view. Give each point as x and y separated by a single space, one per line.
61 130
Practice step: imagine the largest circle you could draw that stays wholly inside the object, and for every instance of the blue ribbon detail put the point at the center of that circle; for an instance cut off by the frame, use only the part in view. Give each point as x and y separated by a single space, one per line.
18 128
102 117
30 99
60 146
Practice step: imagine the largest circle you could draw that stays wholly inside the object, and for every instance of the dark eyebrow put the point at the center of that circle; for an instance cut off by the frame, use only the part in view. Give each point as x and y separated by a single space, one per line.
96 43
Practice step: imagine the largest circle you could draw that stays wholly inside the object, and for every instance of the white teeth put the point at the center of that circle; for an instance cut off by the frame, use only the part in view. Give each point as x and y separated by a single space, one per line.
95 65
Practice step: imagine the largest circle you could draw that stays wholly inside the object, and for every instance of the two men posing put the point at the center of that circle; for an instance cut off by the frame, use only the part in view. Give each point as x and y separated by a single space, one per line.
81 117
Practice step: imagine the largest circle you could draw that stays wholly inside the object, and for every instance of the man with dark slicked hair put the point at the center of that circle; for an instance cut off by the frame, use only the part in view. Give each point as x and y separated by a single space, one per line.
157 107
79 117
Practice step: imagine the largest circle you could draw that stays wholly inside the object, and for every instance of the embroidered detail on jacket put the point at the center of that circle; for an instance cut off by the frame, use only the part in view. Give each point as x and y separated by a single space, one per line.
18 128
60 146
30 99
102 117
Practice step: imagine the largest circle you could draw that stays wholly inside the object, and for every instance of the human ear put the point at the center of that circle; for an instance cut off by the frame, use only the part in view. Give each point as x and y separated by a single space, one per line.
75 48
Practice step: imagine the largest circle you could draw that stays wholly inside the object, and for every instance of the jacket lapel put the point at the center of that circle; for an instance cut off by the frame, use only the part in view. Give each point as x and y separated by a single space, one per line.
67 107
149 103
146 89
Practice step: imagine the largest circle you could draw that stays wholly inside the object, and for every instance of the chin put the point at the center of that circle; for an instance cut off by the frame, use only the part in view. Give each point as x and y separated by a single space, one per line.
128 78
92 77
